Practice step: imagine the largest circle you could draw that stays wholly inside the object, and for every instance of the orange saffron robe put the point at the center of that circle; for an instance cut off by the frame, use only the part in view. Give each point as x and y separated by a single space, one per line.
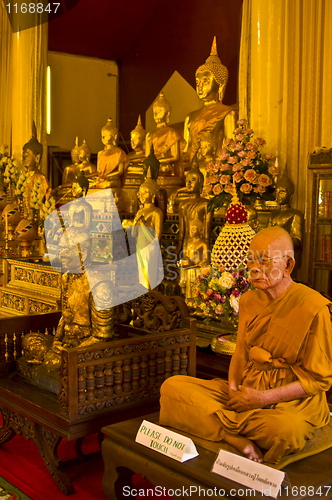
287 339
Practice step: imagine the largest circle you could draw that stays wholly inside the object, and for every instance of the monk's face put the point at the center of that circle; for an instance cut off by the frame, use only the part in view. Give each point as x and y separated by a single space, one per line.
270 262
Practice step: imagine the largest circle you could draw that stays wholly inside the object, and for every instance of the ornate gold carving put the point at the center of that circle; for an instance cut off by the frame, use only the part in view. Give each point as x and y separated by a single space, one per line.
37 307
10 301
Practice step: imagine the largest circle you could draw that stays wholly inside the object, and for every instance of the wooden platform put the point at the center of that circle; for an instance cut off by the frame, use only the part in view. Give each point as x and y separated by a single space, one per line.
120 451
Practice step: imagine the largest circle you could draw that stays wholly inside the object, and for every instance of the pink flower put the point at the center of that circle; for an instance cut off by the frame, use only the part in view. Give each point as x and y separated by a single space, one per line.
248 131
218 309
246 162
237 167
251 154
238 147
224 167
223 155
242 154
217 297
250 175
233 159
260 141
242 121
268 156
209 291
238 176
224 179
214 178
246 188
237 131
239 137
259 189
264 180
217 189
232 144
273 170
215 167
251 147
228 188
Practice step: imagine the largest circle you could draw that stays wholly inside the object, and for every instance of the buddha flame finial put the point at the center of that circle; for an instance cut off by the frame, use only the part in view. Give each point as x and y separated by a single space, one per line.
235 198
214 47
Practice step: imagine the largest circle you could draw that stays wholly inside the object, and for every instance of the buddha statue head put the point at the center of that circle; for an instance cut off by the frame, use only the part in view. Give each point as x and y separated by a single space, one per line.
284 189
32 151
109 134
80 186
207 148
161 110
137 137
84 152
211 77
75 152
148 190
196 228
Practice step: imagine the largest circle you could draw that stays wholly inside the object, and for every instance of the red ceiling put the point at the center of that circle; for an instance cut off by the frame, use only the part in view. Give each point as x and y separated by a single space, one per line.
99 28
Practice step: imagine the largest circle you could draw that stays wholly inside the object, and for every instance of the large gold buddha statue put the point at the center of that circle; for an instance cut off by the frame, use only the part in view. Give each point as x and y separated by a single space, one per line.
168 145
287 217
111 161
69 172
214 117
32 154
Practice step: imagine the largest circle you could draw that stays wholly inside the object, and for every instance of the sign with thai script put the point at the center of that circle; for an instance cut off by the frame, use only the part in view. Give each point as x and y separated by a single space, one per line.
255 475
168 443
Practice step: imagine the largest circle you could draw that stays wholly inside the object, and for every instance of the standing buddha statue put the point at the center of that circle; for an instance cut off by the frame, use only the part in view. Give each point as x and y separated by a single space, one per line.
214 117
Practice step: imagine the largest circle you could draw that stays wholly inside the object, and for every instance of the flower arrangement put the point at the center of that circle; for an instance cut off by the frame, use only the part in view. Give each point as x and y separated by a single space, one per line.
241 162
22 182
218 292
36 196
8 166
47 208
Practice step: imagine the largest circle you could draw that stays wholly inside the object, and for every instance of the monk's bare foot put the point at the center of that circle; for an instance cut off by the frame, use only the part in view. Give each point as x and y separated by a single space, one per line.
247 447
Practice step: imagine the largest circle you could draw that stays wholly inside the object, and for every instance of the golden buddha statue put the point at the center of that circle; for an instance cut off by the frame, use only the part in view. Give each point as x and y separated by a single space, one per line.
80 212
206 153
168 145
193 212
214 117
195 256
32 154
111 161
70 172
137 156
84 155
83 322
287 217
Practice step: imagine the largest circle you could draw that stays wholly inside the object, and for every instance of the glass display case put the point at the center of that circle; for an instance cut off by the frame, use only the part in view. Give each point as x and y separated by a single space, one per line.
320 239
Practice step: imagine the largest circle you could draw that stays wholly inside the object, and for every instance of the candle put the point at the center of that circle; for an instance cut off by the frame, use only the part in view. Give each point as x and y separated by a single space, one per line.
6 224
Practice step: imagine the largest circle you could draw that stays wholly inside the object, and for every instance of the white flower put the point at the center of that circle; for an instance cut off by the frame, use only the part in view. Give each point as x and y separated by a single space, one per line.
226 280
234 301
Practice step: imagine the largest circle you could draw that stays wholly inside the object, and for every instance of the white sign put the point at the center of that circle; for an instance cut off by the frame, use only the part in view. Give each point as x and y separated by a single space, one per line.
168 443
255 475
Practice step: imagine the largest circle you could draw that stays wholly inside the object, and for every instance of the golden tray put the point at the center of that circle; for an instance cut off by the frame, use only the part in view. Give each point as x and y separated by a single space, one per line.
223 344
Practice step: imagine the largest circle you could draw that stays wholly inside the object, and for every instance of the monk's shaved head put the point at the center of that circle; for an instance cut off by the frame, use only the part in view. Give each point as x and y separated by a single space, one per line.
275 237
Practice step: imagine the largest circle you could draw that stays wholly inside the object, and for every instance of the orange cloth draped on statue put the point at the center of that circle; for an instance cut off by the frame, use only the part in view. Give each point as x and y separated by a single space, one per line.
109 159
287 339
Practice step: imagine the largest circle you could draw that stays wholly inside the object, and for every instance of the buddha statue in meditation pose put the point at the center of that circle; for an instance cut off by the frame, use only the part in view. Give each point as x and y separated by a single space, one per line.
70 172
137 156
84 320
168 145
214 117
84 156
111 161
32 154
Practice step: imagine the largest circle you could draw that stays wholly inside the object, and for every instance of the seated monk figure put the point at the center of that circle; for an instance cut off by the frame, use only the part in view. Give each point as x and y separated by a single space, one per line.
167 142
69 173
84 321
111 161
275 396
214 117
32 154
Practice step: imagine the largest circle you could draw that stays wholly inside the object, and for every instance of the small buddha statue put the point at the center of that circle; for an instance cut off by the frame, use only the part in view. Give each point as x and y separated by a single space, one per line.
70 172
152 217
167 142
137 156
206 153
84 156
287 217
82 321
80 211
214 117
194 257
32 154
111 161
193 211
